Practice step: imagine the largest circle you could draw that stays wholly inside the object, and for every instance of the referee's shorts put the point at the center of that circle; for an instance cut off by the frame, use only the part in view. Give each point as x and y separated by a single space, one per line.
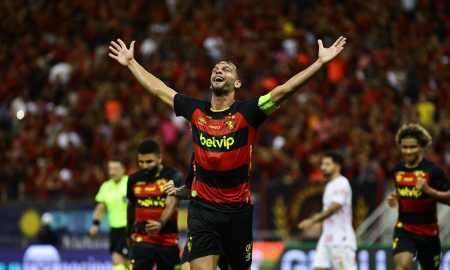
118 241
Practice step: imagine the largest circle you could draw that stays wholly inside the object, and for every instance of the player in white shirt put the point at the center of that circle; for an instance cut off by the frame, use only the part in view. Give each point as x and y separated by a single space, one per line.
337 244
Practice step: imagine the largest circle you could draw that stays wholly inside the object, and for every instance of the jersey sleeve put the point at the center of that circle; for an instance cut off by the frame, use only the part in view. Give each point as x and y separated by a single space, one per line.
439 179
253 112
100 197
340 192
177 178
130 193
185 106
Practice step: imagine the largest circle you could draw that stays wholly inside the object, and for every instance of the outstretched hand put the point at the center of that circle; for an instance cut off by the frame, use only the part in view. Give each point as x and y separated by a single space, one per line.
120 52
328 54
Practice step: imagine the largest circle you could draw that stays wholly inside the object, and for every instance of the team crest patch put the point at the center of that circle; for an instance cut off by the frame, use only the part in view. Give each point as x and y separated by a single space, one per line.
230 122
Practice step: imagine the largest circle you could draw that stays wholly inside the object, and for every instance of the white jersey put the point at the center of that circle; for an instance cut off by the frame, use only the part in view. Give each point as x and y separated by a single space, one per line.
337 230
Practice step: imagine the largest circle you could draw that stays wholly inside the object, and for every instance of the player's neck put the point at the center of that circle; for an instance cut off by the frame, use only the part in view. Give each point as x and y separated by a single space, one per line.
222 102
413 163
334 176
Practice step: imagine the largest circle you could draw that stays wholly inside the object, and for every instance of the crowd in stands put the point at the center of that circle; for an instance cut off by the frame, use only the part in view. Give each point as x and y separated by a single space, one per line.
66 107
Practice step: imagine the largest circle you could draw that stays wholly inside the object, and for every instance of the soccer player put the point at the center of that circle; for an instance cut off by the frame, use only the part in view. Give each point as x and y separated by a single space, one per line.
112 197
337 244
152 215
223 132
183 193
419 184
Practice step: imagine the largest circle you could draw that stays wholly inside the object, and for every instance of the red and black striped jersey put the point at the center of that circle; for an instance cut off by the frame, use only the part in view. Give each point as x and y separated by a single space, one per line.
417 211
223 144
149 197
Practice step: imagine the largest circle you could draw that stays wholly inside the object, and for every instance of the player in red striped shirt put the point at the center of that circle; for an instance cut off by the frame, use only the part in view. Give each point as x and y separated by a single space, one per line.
224 131
152 214
419 184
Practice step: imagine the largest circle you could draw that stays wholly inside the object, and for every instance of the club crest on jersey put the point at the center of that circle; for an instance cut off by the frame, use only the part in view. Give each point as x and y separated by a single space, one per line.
230 122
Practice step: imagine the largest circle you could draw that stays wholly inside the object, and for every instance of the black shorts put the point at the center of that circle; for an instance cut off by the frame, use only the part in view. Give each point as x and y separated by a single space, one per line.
118 241
223 263
210 232
427 249
144 257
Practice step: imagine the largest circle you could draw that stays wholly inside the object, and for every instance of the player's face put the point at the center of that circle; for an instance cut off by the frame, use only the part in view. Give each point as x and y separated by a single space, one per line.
411 150
115 170
224 77
149 163
328 167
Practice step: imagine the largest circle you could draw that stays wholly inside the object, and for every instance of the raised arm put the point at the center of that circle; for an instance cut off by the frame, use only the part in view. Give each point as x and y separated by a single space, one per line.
153 85
282 92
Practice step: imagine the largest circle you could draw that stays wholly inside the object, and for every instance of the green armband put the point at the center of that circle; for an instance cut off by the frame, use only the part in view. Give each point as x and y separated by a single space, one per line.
266 104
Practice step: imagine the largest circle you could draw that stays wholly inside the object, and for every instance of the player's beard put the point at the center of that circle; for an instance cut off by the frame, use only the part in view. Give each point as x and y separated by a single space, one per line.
151 172
327 175
221 91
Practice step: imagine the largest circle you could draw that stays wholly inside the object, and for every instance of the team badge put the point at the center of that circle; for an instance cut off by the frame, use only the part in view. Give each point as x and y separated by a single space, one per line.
230 122
194 193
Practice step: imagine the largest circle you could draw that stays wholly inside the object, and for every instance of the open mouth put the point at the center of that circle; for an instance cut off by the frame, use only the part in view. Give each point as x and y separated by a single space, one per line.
218 79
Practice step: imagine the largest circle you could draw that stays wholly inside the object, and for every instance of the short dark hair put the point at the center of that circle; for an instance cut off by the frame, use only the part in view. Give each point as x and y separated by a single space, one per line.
149 146
335 156
415 131
118 159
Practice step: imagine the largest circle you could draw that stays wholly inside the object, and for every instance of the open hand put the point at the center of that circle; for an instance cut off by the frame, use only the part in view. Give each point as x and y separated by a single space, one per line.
328 54
93 230
120 52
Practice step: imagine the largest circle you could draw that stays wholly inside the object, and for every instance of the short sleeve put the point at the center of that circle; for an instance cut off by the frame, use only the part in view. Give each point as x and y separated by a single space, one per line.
252 112
130 193
185 106
177 178
100 197
439 179
340 193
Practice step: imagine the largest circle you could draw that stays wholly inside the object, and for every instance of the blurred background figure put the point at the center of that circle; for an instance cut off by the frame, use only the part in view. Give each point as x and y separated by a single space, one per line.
112 198
47 235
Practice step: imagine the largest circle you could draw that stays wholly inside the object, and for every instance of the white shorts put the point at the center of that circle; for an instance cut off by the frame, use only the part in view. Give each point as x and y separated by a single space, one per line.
335 257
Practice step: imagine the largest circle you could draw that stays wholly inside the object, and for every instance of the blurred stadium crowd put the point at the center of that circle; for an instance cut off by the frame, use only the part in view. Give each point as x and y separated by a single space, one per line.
66 107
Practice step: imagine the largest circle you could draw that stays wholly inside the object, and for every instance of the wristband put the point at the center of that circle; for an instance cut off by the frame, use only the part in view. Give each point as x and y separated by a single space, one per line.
96 222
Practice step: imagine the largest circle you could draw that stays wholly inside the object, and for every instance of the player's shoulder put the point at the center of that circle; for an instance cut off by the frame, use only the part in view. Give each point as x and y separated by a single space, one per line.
341 181
429 164
247 102
135 176
170 172
184 99
399 166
